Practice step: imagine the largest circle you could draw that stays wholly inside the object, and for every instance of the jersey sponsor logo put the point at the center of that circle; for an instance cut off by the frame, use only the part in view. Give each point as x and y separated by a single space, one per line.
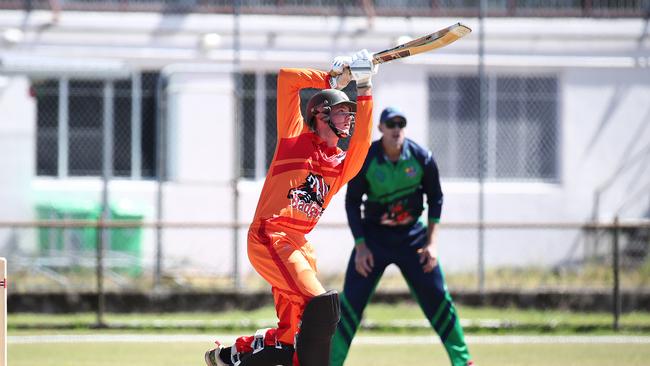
309 197
410 171
397 214
380 176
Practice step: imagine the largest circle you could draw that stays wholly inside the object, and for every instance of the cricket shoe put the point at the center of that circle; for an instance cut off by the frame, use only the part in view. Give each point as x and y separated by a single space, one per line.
213 356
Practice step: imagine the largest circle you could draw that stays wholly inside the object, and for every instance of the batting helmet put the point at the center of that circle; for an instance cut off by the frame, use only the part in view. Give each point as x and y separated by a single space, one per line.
327 98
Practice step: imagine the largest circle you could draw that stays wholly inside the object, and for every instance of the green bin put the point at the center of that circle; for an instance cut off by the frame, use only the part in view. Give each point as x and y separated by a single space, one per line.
124 250
55 240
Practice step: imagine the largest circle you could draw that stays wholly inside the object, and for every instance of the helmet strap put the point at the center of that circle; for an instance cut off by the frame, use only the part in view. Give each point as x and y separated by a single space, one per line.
326 110
336 131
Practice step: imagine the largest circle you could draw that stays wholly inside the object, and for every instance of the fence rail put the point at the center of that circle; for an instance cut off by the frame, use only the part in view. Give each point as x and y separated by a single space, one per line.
403 8
99 224
625 254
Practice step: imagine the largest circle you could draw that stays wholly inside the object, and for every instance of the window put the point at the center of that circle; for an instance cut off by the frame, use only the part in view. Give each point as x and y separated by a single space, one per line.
257 111
521 135
71 116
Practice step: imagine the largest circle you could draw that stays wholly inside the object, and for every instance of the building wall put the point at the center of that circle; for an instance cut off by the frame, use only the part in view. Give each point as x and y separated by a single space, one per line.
604 117
17 151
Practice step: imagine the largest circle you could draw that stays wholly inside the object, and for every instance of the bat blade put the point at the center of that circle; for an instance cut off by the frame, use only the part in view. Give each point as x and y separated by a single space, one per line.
426 43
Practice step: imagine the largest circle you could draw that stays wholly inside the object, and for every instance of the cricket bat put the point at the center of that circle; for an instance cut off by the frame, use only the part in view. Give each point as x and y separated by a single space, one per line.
439 39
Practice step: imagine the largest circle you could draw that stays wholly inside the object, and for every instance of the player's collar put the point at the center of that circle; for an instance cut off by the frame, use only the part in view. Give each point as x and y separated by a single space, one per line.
405 154
322 144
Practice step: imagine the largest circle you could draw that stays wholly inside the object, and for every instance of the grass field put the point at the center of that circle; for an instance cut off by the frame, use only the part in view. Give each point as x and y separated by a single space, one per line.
148 353
403 317
400 336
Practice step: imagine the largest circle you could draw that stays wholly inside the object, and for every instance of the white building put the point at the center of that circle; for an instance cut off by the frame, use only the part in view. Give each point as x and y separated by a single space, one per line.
569 121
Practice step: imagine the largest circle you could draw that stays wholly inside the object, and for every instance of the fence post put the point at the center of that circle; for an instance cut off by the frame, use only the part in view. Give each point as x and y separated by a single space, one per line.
482 148
616 296
99 229
237 285
160 177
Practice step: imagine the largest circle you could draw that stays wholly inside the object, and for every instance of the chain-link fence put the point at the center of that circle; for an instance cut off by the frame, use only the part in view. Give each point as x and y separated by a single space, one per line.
402 8
558 257
120 133
71 118
522 136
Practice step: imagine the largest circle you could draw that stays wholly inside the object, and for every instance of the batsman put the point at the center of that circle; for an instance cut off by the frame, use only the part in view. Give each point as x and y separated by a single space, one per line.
306 171
395 177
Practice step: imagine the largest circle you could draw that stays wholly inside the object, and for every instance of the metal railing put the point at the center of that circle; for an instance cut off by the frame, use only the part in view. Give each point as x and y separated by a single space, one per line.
626 252
403 8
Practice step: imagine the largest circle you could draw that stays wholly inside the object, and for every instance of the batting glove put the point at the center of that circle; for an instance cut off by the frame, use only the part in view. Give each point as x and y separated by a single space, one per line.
362 68
338 70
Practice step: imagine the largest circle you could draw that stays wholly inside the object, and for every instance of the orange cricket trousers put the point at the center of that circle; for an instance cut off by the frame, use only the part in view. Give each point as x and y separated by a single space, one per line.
286 260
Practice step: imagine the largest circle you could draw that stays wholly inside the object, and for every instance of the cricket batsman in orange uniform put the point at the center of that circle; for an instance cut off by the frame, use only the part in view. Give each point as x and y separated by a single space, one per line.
307 170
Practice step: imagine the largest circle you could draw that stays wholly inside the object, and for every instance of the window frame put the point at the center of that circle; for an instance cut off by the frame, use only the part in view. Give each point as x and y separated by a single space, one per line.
63 129
491 174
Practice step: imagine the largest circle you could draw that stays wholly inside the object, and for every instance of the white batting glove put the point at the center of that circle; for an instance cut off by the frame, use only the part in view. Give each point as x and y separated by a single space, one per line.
340 67
362 68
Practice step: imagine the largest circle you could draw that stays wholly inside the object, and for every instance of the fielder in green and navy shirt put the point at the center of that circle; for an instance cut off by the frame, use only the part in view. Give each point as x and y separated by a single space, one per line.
395 177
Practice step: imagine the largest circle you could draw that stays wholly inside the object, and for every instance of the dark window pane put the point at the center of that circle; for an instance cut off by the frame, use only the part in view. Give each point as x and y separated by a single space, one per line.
467 105
507 109
521 141
439 110
85 116
46 93
526 113
46 152
453 132
122 129
271 117
466 147
248 128
85 152
86 104
149 82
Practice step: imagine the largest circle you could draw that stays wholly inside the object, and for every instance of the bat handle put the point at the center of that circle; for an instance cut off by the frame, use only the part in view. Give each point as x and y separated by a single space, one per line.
335 74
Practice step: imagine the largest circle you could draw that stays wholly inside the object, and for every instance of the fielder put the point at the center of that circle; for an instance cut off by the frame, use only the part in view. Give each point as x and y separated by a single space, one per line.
307 170
394 178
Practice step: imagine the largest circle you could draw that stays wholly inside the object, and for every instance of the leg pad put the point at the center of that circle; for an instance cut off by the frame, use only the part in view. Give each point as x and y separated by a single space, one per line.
318 324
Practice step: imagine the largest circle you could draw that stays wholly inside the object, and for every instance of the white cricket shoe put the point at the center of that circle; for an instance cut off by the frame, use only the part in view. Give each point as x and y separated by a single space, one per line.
212 356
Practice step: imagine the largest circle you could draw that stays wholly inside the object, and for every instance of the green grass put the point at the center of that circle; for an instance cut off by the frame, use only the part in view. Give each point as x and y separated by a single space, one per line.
505 355
382 317
175 354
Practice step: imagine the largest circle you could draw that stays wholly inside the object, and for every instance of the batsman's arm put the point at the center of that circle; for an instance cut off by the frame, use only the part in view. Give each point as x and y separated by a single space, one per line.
360 140
290 82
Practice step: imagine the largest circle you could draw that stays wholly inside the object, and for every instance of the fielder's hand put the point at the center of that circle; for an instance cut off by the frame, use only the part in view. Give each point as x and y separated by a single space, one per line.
362 68
363 259
428 258
340 72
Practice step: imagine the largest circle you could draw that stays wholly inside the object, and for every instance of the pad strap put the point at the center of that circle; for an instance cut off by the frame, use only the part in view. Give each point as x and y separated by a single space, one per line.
258 340
234 355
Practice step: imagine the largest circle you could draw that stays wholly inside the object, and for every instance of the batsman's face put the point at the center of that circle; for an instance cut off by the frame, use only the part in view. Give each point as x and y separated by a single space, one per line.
393 132
342 118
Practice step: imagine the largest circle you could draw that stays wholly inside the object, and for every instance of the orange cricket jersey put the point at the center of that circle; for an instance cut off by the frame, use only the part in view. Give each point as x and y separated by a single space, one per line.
305 173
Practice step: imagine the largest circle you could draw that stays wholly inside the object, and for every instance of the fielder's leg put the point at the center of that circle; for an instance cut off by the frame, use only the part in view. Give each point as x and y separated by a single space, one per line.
431 293
317 326
357 291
